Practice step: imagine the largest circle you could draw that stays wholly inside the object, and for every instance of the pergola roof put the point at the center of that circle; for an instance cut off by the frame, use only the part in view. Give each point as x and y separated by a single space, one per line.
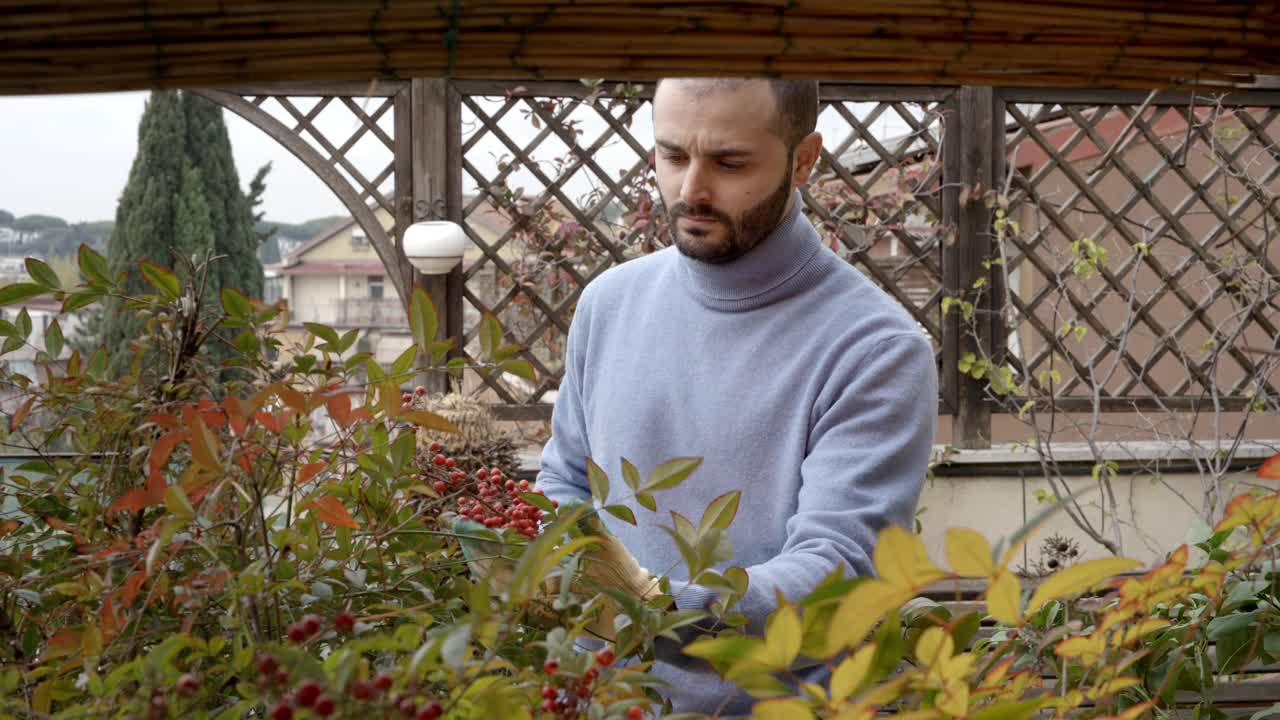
54 46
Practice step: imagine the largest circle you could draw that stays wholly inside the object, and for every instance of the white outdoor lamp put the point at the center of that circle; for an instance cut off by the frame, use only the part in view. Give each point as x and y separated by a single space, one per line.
434 247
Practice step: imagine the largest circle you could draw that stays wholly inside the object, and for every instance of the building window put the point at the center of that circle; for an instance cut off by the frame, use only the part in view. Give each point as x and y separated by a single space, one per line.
359 239
375 287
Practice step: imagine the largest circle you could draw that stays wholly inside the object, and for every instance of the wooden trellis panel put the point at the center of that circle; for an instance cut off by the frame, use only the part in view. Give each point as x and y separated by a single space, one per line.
558 187
1180 196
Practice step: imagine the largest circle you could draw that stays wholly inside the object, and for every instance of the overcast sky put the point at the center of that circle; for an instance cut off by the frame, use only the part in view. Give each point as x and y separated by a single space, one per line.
69 155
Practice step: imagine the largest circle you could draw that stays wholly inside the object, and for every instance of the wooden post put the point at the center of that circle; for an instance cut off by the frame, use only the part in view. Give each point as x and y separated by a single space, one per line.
973 156
435 168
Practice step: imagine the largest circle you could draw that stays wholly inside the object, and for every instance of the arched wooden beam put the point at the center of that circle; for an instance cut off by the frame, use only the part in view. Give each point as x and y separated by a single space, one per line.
388 250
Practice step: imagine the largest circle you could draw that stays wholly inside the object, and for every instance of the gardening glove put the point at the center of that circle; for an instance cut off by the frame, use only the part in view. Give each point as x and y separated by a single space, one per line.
487 559
610 566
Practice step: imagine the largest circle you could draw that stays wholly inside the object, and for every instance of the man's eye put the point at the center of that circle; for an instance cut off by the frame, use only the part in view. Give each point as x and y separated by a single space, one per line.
673 158
730 165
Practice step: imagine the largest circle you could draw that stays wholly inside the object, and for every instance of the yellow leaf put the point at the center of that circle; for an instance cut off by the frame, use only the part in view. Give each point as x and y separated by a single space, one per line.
782 709
901 560
850 673
1003 597
781 640
204 446
998 673
1111 687
968 553
954 698
934 647
1077 578
860 610
1146 627
1086 648
177 503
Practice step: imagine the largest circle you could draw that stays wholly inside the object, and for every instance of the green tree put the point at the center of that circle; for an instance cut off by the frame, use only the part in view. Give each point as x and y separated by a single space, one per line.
6 217
183 204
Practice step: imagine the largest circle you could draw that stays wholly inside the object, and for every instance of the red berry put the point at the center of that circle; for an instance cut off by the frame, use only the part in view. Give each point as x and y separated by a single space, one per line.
548 705
159 708
604 658
297 634
383 681
635 712
584 691
361 690
549 692
438 459
282 711
439 486
311 624
307 693
590 675
405 399
188 684
482 474
435 447
324 706
344 622
267 664
510 486
450 463
419 390
495 473
550 667
524 484
408 707
282 677
430 711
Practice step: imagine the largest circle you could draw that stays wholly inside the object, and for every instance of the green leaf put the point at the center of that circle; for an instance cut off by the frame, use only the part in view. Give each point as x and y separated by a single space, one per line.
519 367
423 319
348 339
720 512
53 339
630 475
177 503
93 265
76 300
24 323
17 292
622 512
1017 710
324 332
1228 624
490 336
671 473
42 274
542 502
646 501
235 303
402 364
161 279
98 361
12 344
598 481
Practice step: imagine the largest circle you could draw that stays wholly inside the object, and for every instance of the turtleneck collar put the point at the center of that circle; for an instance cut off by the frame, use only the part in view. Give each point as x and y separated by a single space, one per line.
769 271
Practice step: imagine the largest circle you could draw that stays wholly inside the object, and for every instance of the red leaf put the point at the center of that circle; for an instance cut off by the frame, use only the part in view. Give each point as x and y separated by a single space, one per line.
159 458
307 472
168 421
21 414
1271 468
292 398
107 619
339 407
63 642
136 500
268 421
331 510
132 584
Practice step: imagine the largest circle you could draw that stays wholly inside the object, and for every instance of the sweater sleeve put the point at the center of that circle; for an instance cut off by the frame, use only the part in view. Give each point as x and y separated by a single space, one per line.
562 472
869 449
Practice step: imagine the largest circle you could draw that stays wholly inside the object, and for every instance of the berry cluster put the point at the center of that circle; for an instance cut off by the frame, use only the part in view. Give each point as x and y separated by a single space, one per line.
311 625
311 694
568 695
487 496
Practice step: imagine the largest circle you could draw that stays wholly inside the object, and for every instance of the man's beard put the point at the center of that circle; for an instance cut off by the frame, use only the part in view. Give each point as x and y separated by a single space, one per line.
749 230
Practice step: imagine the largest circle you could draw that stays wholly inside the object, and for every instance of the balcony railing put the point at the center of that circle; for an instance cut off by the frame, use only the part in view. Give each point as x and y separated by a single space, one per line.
352 312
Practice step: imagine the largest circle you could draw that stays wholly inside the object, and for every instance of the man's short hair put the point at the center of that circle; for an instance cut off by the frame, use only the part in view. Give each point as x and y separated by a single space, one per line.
796 100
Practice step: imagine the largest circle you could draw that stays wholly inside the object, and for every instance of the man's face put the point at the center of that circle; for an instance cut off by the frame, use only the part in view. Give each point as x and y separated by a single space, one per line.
724 173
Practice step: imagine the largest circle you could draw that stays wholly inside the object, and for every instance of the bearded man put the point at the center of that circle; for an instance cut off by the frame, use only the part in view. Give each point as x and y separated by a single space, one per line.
752 345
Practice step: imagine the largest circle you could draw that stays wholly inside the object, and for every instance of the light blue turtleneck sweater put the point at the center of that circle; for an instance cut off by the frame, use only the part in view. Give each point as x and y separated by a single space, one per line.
794 377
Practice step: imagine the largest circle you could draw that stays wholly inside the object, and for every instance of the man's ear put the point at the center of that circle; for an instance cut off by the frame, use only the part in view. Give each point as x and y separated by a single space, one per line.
807 153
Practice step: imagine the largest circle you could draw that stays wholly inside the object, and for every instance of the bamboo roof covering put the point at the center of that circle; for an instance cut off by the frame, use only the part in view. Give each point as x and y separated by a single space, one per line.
61 46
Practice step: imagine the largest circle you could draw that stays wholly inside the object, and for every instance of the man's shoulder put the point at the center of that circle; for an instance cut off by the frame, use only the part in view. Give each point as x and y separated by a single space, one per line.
857 302
620 282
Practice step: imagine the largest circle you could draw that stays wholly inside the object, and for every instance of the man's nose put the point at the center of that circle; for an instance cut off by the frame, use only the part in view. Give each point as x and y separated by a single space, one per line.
696 188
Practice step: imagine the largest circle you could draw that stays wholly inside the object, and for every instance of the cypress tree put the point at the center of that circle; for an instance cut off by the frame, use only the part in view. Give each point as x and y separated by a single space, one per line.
182 200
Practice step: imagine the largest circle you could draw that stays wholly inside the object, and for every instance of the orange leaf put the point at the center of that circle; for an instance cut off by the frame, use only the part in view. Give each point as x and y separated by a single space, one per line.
268 421
1271 468
308 471
132 584
21 414
159 457
204 446
331 510
292 398
63 642
168 421
136 500
339 407
107 618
